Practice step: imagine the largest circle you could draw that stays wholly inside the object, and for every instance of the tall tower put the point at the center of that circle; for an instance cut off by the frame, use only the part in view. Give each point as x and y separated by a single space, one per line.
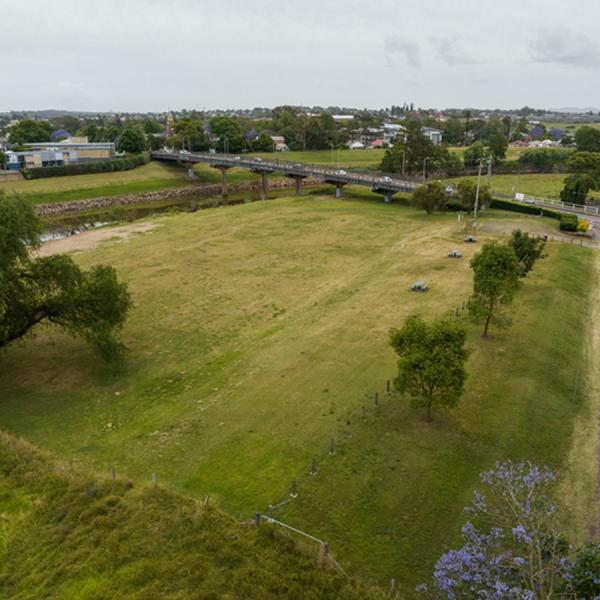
170 131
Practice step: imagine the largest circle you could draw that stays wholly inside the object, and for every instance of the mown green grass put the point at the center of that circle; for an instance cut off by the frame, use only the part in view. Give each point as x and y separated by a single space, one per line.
543 185
340 158
257 332
147 178
78 536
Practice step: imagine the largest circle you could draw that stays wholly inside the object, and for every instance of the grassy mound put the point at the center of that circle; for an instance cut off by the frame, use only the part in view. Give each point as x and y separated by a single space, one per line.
69 535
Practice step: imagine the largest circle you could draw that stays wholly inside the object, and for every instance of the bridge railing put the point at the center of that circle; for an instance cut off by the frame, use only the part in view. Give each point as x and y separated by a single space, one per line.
293 168
550 203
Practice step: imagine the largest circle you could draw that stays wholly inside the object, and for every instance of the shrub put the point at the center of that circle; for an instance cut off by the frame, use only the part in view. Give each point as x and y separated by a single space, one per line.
527 209
105 166
568 222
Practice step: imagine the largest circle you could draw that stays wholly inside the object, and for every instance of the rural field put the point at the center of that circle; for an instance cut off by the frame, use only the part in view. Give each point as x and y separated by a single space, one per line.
542 185
258 334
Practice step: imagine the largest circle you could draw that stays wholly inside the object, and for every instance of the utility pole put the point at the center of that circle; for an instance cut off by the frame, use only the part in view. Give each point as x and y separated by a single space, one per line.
477 192
332 160
425 168
488 178
403 163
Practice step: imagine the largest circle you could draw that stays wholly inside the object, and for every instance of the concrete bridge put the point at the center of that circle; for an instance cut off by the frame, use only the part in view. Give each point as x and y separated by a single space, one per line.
385 185
380 184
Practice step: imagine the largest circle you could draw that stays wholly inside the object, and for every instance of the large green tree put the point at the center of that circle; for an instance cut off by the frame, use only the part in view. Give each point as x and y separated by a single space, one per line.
28 131
54 289
577 187
133 140
587 139
430 197
414 151
467 194
496 279
498 145
190 135
431 367
231 138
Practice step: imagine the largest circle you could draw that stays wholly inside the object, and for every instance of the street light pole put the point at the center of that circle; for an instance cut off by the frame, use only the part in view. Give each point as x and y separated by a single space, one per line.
403 163
477 192
332 160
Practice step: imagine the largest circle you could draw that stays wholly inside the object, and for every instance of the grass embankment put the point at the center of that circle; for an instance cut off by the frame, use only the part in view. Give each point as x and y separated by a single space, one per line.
256 334
76 536
147 178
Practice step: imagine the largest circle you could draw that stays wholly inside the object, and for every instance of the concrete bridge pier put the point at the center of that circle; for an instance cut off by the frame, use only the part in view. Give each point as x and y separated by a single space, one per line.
224 185
298 181
387 196
264 185
339 190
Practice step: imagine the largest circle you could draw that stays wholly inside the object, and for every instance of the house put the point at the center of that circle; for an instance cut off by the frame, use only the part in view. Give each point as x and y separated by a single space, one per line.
435 135
280 145
356 145
378 143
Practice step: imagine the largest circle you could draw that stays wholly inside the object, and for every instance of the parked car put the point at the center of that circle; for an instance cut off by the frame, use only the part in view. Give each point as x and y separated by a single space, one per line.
386 179
341 172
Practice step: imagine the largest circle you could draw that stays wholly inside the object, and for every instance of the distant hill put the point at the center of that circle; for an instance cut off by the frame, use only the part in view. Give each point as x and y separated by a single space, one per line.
77 536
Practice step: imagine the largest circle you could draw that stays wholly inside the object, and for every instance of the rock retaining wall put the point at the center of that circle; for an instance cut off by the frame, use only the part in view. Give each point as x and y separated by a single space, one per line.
67 208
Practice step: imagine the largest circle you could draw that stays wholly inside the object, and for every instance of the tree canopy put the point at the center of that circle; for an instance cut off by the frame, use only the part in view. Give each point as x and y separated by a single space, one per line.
496 279
431 367
133 140
527 248
413 150
467 193
29 131
587 139
89 304
430 197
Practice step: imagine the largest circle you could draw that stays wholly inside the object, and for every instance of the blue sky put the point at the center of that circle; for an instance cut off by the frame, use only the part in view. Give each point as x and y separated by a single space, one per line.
156 55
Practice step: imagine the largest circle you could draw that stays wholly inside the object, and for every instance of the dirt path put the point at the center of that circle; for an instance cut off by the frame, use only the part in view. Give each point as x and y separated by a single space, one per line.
90 239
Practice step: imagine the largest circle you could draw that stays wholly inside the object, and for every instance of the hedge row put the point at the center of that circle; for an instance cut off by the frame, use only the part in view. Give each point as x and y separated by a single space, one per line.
104 166
528 209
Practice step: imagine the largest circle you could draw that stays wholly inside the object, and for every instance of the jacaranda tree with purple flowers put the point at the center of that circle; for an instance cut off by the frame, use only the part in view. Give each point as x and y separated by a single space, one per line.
512 547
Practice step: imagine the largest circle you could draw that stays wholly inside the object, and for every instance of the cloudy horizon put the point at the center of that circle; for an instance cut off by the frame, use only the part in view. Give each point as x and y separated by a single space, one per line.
145 55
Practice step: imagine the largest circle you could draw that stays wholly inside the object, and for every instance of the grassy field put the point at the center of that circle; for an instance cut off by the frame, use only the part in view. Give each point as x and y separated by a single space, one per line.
90 538
543 185
360 159
257 334
147 178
